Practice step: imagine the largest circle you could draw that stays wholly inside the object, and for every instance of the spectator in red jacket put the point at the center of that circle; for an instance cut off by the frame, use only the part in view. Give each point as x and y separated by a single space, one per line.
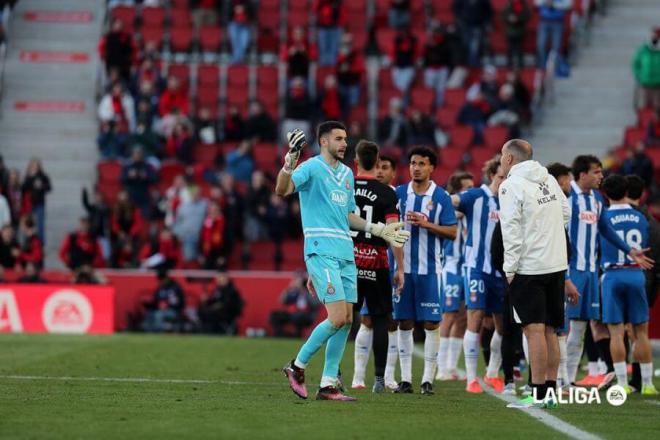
32 249
329 99
164 249
350 71
329 15
126 227
117 48
212 238
174 97
80 247
180 143
404 57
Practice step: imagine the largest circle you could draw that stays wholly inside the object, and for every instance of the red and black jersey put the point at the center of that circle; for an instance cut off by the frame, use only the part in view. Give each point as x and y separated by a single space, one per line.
376 202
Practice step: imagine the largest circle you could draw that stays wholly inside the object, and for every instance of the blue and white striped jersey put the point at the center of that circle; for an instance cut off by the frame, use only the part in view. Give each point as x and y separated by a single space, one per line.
481 209
631 226
453 250
422 254
587 221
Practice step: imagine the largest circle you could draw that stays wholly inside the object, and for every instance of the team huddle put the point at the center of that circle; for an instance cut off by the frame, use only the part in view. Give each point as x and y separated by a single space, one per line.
442 259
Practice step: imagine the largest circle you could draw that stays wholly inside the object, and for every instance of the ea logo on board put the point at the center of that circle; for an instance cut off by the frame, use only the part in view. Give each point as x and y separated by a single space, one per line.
67 311
616 395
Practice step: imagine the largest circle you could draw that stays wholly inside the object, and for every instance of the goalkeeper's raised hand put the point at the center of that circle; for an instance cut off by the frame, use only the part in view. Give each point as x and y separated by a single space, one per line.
392 233
297 142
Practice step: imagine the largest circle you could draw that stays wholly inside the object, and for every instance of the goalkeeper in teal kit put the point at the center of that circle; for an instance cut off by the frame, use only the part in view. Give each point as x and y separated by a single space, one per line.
327 203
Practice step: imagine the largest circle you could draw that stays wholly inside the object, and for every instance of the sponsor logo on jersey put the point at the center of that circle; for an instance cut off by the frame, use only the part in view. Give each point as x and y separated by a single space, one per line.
367 274
348 185
339 197
494 215
589 217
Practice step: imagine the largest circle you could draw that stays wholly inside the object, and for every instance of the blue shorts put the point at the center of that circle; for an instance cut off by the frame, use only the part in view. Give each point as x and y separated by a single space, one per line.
624 297
451 294
334 279
420 299
588 305
484 292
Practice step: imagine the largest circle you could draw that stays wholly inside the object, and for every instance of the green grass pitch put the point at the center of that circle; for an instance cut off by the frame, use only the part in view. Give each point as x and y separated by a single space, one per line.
54 387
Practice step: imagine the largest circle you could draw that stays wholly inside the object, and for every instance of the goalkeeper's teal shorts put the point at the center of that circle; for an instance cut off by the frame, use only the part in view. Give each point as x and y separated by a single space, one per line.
334 279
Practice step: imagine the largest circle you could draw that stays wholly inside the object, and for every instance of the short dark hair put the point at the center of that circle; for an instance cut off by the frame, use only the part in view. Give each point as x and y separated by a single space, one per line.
327 127
583 163
424 152
367 154
455 181
635 186
490 167
557 169
385 158
615 187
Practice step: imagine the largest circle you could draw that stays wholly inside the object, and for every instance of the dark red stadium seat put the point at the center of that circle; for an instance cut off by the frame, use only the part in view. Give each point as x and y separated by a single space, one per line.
479 156
237 76
356 7
266 157
207 96
152 35
385 80
495 137
238 96
322 72
268 17
269 3
180 4
446 117
528 78
498 42
181 39
644 117
267 76
441 174
461 136
180 18
385 40
153 16
384 98
359 114
169 169
298 18
109 170
299 5
180 71
454 98
654 155
208 75
499 5
633 135
451 156
109 191
268 96
126 14
423 99
210 38
205 153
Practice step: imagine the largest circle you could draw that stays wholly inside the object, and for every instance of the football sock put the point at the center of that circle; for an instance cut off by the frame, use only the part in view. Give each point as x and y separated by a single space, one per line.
636 379
431 343
380 344
363 342
562 373
574 344
620 369
319 336
405 354
471 353
334 351
647 373
605 355
443 352
486 335
455 348
392 355
594 369
495 361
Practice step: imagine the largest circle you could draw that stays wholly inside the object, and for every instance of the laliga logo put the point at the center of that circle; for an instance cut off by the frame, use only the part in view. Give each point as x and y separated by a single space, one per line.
588 217
616 396
67 311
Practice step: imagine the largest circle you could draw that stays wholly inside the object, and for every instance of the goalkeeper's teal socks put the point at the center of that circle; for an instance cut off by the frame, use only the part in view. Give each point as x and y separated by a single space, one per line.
322 333
334 351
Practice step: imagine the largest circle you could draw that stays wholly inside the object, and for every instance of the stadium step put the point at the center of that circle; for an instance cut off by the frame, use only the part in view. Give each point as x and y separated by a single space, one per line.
594 105
64 140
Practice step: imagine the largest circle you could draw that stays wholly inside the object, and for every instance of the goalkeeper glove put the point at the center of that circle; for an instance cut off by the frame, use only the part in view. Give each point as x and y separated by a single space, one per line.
297 142
392 233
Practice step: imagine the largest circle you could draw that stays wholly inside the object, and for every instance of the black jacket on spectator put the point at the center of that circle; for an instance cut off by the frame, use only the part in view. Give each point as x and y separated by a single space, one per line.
168 295
37 186
99 216
473 12
404 50
137 176
298 107
640 165
437 52
385 127
220 312
261 127
7 253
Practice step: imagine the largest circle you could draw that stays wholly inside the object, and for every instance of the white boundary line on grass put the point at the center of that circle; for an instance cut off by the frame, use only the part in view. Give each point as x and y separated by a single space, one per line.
540 415
653 402
134 380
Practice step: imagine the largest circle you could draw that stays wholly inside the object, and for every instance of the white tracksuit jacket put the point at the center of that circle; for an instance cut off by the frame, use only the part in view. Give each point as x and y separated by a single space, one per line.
533 214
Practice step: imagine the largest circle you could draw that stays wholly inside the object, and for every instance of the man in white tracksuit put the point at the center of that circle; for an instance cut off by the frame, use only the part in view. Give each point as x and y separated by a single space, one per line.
533 214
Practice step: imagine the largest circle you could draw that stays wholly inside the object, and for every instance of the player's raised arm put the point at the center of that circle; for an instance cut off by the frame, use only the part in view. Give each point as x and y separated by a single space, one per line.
285 185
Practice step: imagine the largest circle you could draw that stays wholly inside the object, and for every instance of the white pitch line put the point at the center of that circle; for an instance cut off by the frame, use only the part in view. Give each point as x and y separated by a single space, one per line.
541 416
135 380
653 402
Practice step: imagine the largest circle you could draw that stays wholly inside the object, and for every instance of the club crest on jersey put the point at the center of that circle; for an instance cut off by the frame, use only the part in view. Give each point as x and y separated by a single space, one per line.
339 197
331 289
348 185
430 206
589 217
